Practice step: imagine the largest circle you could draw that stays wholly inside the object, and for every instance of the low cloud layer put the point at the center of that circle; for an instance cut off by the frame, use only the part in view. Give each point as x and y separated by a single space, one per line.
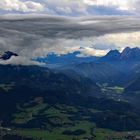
20 61
37 35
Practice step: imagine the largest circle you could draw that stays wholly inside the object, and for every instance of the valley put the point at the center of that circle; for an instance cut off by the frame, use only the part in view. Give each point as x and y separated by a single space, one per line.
83 101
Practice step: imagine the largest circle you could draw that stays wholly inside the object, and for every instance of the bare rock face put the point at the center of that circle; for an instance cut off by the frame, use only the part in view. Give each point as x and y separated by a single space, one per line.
7 55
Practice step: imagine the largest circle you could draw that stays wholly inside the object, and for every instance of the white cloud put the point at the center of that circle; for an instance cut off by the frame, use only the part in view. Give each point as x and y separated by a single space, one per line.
67 7
20 61
81 7
133 6
124 39
18 5
121 4
72 7
90 51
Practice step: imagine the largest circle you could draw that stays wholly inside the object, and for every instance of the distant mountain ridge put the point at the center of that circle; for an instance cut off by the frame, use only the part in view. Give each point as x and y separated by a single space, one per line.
55 60
128 54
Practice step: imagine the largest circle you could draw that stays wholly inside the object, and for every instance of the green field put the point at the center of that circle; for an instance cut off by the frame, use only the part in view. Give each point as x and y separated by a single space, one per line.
59 116
7 87
56 134
40 120
116 89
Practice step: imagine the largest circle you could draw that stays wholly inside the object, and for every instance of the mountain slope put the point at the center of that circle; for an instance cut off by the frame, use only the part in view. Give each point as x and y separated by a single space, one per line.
100 72
43 79
134 86
21 84
113 55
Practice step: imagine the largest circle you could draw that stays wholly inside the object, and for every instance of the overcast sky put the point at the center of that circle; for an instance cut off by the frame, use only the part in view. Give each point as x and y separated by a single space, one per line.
34 28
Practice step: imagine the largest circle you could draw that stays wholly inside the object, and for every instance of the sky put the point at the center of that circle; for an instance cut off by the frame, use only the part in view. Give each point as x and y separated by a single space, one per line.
71 7
34 28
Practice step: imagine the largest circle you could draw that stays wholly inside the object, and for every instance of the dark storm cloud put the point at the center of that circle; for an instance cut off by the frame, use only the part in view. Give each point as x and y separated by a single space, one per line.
63 27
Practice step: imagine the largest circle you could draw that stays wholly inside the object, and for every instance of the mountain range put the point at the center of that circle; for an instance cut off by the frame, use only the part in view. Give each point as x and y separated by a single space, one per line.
95 90
115 68
128 54
54 60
